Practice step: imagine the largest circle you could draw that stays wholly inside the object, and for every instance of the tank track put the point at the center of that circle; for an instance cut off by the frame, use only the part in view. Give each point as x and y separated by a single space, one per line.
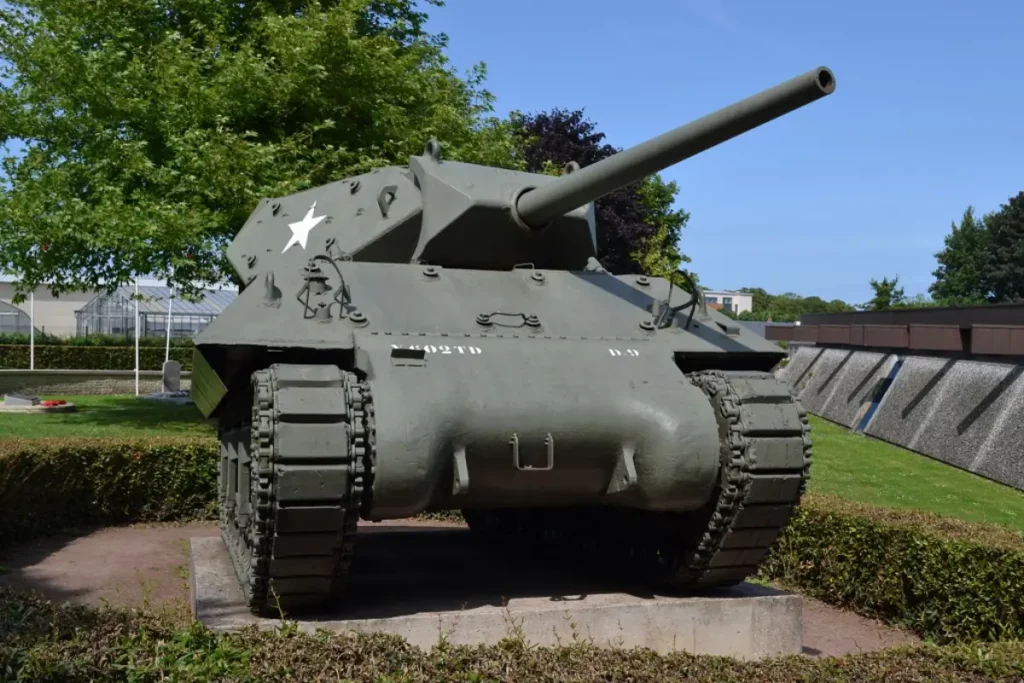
766 457
311 444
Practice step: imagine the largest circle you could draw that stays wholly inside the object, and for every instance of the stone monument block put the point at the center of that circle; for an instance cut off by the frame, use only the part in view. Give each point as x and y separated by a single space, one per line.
171 381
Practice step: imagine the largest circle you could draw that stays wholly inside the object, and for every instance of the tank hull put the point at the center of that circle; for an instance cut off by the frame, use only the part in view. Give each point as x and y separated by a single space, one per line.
513 396
533 422
298 475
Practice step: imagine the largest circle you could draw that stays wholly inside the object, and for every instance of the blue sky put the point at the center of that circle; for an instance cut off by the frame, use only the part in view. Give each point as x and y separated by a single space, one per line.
925 119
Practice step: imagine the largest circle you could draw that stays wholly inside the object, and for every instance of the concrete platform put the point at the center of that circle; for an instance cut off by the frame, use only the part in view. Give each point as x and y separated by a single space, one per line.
183 398
425 584
39 408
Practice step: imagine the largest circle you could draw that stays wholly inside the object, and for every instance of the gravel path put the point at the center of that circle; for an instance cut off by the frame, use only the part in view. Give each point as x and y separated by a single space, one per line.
147 566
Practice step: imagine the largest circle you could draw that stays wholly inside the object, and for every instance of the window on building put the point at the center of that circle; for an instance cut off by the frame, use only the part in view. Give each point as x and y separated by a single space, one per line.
727 303
712 299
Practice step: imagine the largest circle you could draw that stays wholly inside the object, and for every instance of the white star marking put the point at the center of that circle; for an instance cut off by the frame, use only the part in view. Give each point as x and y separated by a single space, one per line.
300 230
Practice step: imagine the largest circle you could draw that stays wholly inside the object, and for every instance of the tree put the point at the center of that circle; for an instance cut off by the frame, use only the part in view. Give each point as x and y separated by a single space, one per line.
887 295
960 278
637 228
658 254
1005 262
153 128
729 313
760 302
921 300
787 307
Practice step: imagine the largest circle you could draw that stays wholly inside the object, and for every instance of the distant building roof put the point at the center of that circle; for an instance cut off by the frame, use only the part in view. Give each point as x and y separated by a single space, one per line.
13 319
10 309
155 300
756 326
143 282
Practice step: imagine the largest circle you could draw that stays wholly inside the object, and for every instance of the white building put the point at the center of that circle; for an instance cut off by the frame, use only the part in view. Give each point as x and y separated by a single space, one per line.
737 302
81 313
53 315
114 313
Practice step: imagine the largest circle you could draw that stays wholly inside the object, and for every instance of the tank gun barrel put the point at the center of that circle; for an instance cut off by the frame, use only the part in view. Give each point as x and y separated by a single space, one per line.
538 206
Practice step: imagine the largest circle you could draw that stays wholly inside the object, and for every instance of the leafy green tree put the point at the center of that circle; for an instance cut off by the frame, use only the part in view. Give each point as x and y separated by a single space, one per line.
729 313
921 300
960 278
1005 263
760 300
787 307
637 228
658 254
153 127
887 295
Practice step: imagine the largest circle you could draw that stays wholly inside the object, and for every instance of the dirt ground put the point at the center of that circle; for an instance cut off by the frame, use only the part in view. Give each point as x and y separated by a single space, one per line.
147 566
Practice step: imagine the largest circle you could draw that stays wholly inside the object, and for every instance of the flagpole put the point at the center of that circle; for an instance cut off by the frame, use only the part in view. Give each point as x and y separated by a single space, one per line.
136 336
32 330
167 350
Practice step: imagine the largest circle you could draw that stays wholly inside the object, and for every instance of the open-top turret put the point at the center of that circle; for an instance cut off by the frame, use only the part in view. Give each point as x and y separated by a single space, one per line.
443 335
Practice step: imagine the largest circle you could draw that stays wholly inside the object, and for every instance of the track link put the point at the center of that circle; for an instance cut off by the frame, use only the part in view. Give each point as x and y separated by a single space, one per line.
295 480
765 457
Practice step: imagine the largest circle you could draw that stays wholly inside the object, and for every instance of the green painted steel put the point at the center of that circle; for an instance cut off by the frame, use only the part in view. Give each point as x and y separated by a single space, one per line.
408 341
207 389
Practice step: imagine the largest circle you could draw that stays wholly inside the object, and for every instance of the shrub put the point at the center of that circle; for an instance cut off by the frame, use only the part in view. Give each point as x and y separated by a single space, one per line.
40 641
944 579
50 485
42 339
87 357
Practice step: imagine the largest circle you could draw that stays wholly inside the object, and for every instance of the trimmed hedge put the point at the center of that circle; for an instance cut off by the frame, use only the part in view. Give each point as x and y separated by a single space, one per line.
86 357
43 642
43 339
50 485
944 579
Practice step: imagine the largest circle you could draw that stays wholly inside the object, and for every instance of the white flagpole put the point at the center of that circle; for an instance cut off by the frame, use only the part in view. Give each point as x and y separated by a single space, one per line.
167 351
136 336
32 330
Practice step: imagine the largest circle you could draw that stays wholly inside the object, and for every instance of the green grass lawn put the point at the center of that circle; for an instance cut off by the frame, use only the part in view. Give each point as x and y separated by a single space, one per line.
860 468
107 416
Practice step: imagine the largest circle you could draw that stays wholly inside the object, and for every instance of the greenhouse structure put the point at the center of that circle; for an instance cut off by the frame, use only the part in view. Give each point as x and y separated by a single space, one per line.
114 313
13 320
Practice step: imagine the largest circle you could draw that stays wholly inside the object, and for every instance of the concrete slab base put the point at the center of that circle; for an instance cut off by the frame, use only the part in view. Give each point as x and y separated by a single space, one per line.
179 397
38 408
430 584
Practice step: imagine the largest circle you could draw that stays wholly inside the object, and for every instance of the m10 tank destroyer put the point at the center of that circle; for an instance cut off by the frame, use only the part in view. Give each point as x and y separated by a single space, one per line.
442 335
